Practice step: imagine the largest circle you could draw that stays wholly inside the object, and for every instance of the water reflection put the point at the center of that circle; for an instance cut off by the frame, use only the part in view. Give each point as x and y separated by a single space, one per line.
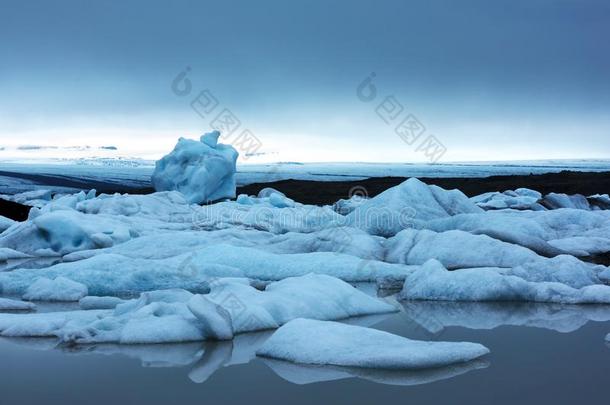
435 316
202 359
308 374
29 263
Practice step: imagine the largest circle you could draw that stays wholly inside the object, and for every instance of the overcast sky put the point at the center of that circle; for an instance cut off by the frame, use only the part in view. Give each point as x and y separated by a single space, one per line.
490 80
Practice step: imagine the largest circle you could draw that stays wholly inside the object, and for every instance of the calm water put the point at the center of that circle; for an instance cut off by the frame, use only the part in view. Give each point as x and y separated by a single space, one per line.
539 353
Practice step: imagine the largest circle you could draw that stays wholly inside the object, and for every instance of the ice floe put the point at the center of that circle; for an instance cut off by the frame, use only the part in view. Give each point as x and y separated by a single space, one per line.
519 199
408 204
93 302
432 281
330 343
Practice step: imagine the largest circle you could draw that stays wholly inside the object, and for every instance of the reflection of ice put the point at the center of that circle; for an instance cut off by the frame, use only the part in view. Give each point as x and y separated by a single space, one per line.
155 355
205 357
308 374
434 316
241 350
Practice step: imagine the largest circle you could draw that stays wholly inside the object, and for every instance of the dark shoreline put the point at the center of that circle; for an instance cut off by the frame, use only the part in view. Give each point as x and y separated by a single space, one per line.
328 192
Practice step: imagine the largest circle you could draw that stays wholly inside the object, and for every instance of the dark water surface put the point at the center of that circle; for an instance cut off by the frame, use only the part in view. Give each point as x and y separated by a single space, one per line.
539 354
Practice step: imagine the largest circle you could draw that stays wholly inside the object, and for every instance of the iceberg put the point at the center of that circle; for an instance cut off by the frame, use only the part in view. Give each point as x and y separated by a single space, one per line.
202 170
409 204
331 343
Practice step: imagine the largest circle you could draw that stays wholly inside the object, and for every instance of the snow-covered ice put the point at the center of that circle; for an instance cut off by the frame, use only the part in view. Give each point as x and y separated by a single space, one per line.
202 170
322 342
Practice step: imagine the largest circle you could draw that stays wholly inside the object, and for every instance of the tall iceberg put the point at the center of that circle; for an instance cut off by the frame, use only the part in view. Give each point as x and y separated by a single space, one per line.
202 170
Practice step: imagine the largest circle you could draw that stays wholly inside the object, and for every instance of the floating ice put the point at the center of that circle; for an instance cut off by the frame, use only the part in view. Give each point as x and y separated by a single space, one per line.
347 206
201 170
217 323
45 324
321 342
275 199
455 249
114 274
59 289
35 198
433 282
582 245
92 302
519 199
556 200
535 229
232 306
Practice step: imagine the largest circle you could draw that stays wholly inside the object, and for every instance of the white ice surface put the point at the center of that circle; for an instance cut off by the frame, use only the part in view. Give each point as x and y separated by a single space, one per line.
322 342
